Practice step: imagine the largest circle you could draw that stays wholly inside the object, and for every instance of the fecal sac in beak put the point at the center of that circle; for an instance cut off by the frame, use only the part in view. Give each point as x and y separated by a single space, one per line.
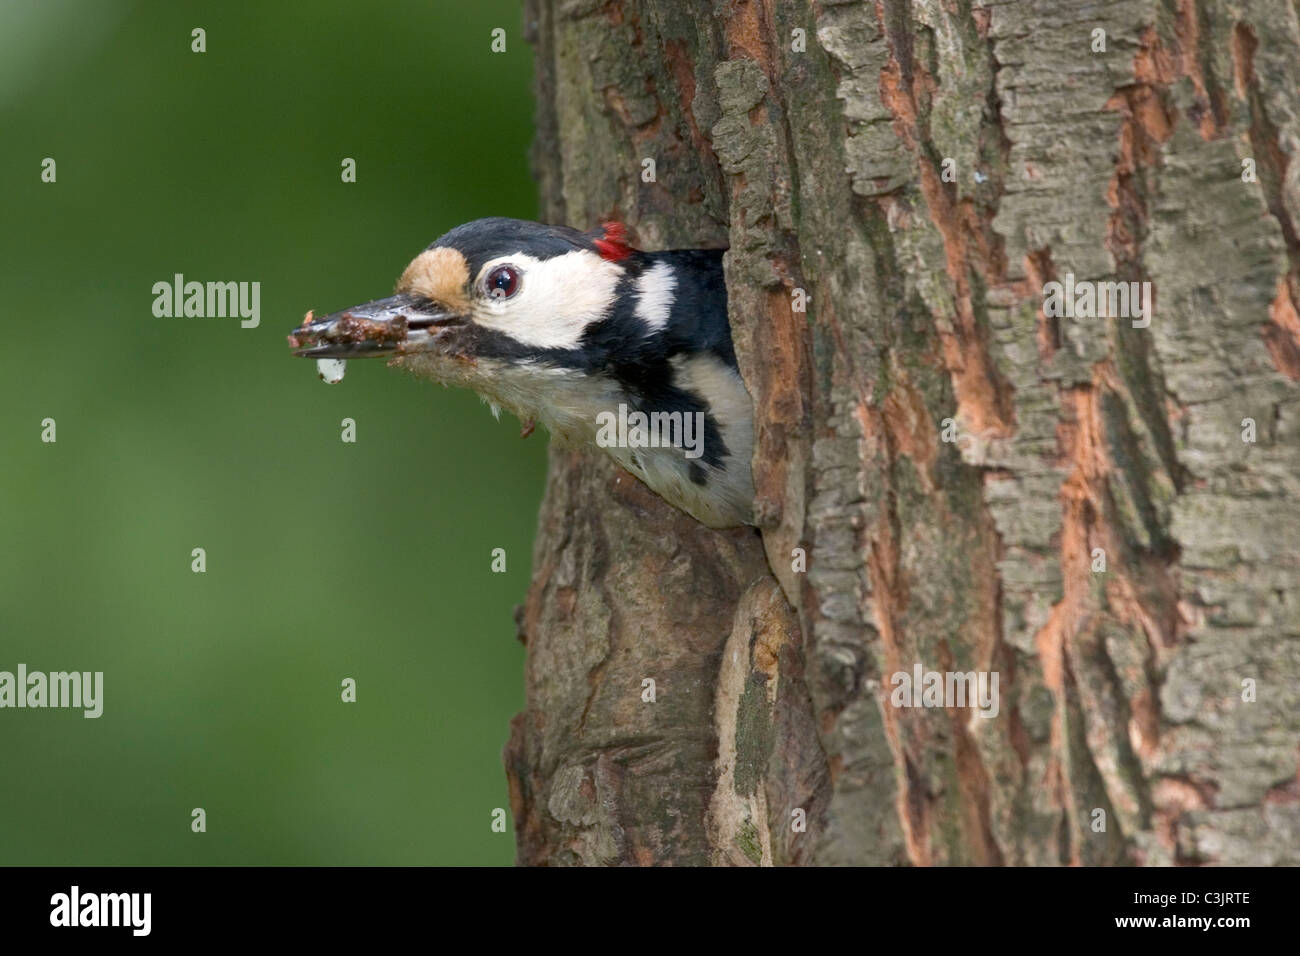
331 370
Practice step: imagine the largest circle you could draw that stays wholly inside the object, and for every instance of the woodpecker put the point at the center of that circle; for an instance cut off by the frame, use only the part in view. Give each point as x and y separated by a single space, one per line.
601 343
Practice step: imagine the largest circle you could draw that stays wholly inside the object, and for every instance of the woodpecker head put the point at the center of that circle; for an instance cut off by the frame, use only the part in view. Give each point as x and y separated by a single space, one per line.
568 328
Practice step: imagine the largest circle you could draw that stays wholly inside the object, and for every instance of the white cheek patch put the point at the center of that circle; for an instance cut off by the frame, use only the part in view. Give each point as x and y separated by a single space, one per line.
558 298
655 292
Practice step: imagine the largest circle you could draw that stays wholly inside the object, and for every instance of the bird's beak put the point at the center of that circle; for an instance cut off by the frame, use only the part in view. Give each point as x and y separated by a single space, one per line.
394 326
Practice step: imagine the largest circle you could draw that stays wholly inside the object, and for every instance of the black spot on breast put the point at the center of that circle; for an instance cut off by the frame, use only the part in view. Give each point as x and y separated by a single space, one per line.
697 474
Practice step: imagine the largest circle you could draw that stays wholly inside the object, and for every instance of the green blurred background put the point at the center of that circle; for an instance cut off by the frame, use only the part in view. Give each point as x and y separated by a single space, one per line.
325 560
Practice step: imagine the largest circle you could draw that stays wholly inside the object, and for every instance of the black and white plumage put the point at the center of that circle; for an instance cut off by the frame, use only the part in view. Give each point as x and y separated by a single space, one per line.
575 330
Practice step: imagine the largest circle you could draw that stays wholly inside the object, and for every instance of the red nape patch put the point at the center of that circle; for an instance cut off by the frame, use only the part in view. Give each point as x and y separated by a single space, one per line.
612 244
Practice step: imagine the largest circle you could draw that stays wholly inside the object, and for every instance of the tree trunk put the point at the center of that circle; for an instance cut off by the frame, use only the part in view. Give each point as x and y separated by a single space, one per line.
1074 504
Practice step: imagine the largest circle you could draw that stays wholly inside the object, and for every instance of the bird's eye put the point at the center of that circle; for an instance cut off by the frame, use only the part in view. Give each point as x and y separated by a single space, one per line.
502 282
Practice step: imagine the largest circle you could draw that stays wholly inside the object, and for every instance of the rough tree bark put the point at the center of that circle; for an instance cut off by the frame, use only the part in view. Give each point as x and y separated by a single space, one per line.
821 164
